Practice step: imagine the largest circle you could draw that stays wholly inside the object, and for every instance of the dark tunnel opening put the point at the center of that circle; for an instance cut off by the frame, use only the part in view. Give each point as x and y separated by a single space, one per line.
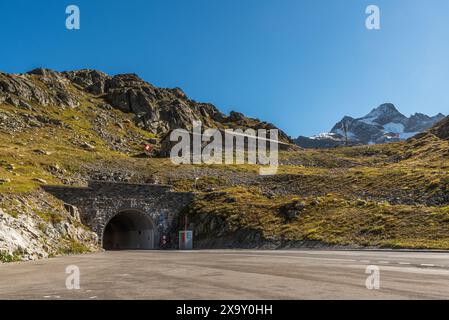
129 230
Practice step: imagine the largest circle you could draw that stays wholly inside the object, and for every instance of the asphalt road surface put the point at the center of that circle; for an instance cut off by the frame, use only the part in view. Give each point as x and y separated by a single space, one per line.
231 274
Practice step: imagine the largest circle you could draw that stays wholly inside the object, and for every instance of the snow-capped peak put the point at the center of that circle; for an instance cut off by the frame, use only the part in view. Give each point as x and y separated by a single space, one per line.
384 123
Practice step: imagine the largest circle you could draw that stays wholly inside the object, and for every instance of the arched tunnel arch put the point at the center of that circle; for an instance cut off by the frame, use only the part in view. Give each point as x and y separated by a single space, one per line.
129 230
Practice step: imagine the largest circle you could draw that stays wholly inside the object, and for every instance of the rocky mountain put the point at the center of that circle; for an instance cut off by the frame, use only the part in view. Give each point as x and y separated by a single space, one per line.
156 110
383 124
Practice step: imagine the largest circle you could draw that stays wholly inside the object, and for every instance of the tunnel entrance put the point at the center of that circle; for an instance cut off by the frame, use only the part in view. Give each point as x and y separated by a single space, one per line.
129 230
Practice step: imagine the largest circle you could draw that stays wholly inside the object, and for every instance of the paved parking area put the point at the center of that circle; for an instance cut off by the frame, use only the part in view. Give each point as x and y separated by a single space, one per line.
231 274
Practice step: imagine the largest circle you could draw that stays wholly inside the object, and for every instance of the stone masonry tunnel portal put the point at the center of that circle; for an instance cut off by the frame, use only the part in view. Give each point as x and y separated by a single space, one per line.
129 230
124 215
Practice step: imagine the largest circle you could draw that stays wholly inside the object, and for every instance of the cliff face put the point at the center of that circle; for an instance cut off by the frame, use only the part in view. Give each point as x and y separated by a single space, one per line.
35 225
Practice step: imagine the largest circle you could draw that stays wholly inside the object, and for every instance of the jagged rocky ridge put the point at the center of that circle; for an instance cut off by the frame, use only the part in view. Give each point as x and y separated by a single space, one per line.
383 124
157 110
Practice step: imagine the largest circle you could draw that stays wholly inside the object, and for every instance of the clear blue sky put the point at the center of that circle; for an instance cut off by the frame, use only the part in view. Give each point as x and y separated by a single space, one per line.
301 64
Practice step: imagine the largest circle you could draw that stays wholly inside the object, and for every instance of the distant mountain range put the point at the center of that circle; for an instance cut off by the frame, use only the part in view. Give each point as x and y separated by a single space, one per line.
383 124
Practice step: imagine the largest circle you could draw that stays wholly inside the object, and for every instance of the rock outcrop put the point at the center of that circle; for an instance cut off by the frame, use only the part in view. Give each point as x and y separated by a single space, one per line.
159 110
441 130
35 226
22 90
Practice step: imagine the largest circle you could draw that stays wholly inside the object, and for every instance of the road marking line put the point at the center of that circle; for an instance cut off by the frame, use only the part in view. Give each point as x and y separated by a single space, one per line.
290 257
257 254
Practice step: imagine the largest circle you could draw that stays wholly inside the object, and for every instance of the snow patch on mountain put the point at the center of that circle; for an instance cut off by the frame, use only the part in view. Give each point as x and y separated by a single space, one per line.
325 135
394 127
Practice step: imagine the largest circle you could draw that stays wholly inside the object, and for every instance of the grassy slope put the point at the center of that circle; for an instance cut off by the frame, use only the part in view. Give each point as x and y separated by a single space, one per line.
342 196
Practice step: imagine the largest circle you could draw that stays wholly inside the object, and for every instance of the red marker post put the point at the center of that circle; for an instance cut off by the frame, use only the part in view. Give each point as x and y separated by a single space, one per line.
147 148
